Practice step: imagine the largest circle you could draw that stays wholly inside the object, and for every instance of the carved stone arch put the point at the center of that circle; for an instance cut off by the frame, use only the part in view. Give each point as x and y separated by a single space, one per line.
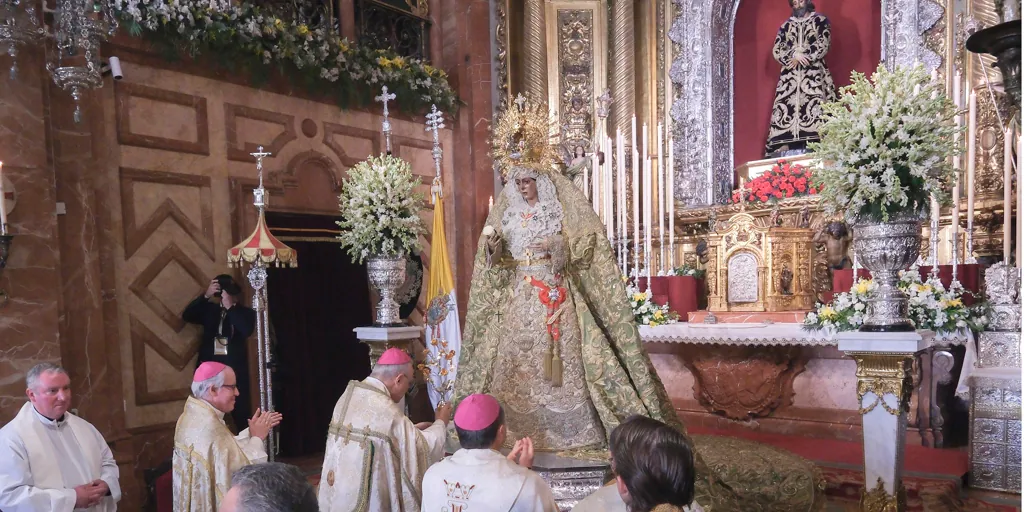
307 161
702 72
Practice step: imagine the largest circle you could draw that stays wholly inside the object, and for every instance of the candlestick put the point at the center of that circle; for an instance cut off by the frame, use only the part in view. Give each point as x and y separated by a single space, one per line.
1007 191
671 203
972 136
3 203
661 205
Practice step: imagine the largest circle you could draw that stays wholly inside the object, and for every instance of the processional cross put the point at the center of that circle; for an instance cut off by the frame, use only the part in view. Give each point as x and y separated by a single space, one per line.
385 98
259 192
435 122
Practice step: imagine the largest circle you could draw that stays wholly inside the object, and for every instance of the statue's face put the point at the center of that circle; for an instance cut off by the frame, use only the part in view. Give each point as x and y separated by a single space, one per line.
578 151
528 188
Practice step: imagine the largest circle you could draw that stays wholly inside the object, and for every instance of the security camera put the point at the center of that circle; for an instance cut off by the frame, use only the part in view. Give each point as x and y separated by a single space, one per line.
115 68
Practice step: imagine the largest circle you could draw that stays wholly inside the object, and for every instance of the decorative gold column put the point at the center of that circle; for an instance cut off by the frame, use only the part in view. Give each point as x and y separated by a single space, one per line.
535 66
622 66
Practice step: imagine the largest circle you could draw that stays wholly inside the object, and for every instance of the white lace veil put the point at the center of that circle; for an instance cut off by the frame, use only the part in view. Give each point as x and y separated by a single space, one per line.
549 223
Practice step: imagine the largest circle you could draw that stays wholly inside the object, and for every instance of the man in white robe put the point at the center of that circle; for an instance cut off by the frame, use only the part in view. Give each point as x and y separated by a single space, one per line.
375 457
478 478
50 459
205 452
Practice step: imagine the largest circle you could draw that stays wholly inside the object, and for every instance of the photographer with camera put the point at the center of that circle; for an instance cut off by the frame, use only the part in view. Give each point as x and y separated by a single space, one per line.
226 328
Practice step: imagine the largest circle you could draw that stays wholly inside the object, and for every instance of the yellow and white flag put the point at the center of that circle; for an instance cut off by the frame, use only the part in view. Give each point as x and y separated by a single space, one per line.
443 334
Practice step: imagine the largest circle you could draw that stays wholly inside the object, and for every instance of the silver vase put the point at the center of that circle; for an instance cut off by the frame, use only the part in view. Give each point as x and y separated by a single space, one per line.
886 248
386 275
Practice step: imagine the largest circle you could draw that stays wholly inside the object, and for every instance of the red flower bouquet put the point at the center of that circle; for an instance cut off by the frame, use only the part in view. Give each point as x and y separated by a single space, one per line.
782 181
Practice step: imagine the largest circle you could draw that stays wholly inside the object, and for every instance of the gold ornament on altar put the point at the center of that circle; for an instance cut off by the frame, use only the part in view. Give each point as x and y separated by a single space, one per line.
754 266
521 137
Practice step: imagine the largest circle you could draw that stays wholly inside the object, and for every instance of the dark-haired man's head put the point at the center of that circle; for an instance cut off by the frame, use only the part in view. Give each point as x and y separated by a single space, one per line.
269 487
480 423
836 229
653 464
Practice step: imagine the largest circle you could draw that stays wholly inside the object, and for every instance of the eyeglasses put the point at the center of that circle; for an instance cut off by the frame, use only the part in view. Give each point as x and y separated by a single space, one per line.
232 387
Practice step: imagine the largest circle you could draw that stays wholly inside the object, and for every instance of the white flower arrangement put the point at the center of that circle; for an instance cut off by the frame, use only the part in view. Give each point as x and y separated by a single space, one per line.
252 37
932 307
885 145
379 209
645 310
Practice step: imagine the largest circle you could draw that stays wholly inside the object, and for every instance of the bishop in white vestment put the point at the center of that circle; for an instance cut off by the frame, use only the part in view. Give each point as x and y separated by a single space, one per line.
375 457
205 452
52 460
478 478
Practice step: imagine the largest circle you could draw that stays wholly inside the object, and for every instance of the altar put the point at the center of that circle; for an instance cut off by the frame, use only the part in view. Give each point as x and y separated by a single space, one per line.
781 378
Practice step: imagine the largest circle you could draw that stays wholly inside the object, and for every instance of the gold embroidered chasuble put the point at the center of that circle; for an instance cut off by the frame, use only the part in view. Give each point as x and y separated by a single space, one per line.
375 457
206 454
604 363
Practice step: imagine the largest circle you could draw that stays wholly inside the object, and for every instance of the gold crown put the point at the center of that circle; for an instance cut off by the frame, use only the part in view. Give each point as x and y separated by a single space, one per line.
522 137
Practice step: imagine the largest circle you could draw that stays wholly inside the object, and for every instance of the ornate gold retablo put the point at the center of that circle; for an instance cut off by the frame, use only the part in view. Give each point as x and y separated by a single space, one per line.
753 266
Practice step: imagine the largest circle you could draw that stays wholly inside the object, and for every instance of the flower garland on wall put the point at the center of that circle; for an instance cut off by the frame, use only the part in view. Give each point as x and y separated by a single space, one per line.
784 180
249 38
932 307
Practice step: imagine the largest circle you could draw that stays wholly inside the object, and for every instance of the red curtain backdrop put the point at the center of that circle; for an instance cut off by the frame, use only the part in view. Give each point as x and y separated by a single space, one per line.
856 45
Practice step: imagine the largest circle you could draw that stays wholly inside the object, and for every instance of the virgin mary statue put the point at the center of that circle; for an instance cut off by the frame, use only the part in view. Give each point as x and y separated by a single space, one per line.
550 334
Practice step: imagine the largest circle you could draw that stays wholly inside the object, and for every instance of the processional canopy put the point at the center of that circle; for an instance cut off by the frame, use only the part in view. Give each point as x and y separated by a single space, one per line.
262 246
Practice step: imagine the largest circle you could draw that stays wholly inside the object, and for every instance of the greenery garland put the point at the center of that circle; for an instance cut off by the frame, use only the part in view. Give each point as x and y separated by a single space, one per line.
247 38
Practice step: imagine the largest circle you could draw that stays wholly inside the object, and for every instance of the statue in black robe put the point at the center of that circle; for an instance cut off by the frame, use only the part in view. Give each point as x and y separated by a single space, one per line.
805 83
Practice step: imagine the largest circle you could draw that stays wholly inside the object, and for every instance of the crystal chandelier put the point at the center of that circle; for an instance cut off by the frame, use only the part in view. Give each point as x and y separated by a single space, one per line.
76 29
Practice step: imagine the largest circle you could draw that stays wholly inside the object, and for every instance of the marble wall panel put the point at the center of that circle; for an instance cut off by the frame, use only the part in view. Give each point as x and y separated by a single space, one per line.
29 321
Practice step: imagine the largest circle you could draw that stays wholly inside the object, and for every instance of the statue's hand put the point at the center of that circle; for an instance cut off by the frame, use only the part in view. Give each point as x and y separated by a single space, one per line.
801 59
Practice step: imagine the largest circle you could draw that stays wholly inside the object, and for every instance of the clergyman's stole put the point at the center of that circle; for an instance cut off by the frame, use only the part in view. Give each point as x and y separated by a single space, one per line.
375 457
206 455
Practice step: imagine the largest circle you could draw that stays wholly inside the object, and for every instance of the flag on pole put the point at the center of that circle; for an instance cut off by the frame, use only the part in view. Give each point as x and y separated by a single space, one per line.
443 334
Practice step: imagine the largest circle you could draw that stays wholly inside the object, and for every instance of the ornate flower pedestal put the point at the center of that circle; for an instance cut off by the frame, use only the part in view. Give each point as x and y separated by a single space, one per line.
380 339
884 362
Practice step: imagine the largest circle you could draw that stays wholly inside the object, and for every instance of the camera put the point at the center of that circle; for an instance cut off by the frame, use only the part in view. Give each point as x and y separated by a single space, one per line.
115 68
227 284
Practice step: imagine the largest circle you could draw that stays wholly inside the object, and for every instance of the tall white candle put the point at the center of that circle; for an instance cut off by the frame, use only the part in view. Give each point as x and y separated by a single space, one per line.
647 215
661 202
636 204
670 203
3 203
1020 200
608 188
1007 192
586 177
934 228
972 135
595 193
620 198
958 121
490 204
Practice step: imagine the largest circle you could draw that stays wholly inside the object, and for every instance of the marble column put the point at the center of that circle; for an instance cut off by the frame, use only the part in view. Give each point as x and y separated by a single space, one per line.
622 68
884 362
535 66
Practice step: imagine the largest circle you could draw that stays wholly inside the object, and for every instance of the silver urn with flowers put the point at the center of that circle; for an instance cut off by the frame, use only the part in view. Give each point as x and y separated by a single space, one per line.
885 153
380 225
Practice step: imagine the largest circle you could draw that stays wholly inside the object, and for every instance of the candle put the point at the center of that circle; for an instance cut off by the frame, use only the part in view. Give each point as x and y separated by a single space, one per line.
3 203
972 135
647 217
670 203
1020 199
608 219
934 227
594 192
957 166
620 198
1007 191
490 203
636 205
661 202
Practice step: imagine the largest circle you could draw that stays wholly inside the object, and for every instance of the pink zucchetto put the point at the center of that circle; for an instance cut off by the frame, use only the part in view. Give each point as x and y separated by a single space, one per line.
207 370
477 412
394 356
